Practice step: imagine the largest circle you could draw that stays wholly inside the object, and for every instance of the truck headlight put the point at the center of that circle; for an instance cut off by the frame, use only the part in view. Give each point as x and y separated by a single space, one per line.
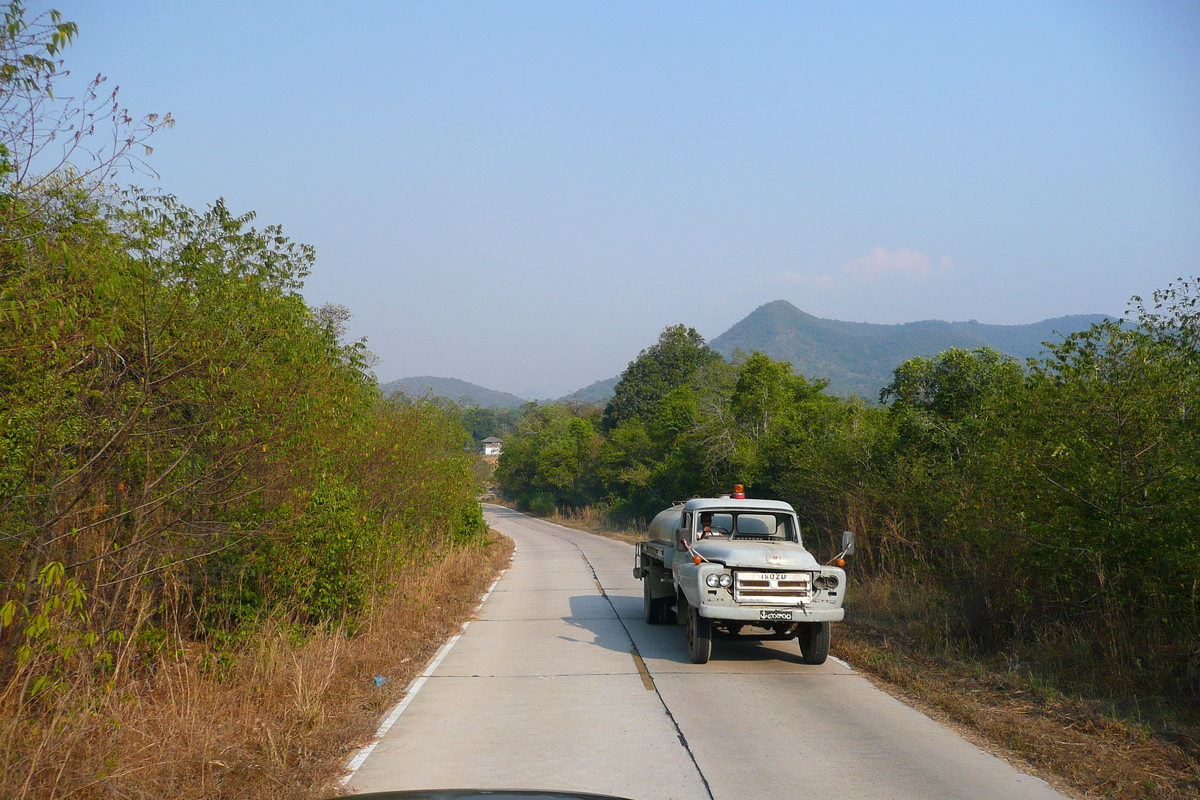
726 580
713 580
825 582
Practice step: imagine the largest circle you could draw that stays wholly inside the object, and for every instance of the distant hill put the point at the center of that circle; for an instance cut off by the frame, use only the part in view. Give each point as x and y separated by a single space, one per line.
599 392
461 392
855 357
858 357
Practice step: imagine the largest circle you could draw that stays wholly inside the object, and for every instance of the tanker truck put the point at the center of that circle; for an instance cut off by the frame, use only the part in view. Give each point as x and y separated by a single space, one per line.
728 567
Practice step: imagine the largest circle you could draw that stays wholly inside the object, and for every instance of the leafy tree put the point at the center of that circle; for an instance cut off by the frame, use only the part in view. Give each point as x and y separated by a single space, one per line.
1102 475
943 403
766 390
659 369
51 147
495 421
187 449
1174 318
549 461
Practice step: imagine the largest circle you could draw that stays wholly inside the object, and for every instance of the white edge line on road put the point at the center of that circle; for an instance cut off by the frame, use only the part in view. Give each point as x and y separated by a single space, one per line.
411 690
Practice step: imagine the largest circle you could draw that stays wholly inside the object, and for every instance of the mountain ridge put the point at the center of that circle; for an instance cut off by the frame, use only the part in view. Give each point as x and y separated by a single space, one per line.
859 357
462 392
855 357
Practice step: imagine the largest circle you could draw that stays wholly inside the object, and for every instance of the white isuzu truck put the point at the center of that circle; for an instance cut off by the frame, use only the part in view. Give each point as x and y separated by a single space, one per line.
726 566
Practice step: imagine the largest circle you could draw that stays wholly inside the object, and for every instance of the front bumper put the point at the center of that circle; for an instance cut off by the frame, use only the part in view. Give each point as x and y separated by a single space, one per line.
754 614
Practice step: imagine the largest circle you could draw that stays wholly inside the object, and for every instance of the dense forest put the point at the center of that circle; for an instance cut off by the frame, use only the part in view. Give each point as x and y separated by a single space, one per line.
1054 504
188 451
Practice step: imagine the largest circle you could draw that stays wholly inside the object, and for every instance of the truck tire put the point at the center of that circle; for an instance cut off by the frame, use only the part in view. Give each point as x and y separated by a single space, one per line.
652 609
814 642
699 635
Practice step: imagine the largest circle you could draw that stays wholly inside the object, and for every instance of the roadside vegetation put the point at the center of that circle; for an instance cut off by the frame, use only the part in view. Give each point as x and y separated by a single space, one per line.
484 422
215 532
1083 743
1036 518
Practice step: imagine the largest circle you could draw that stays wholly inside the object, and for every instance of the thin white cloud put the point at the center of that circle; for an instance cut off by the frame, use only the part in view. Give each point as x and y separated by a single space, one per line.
903 263
881 264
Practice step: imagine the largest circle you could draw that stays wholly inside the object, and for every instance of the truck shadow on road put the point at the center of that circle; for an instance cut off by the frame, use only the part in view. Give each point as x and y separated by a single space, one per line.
592 613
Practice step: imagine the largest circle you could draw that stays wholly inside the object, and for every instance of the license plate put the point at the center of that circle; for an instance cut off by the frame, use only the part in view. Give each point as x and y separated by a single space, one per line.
775 615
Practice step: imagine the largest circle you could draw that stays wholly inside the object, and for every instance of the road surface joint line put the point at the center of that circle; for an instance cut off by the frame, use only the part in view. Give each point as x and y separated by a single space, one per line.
667 709
411 690
647 681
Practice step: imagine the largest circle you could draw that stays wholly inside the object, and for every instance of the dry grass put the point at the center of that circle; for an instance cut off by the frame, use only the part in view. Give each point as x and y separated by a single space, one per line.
276 719
1079 745
595 521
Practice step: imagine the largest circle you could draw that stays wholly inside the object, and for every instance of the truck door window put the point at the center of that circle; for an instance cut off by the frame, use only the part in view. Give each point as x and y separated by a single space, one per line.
791 532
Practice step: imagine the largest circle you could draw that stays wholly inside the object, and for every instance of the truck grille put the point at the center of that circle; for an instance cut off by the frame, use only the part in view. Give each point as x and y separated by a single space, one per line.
772 588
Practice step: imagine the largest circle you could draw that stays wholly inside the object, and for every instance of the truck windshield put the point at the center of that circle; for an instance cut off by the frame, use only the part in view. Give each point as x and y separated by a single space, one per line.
761 526
753 525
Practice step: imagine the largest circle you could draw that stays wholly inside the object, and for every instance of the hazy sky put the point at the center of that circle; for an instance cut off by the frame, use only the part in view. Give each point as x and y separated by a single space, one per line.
523 195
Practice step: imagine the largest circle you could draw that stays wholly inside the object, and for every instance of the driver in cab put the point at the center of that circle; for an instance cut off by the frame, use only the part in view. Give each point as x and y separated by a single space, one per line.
706 529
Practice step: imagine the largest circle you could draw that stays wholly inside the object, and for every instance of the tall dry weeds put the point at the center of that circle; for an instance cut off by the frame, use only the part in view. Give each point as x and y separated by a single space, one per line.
599 521
276 718
912 637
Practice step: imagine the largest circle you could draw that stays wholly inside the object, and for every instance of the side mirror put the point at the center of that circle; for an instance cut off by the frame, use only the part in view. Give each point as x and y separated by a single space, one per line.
847 543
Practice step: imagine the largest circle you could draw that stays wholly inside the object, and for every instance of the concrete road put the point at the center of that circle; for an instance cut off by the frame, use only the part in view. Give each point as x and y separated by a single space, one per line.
545 689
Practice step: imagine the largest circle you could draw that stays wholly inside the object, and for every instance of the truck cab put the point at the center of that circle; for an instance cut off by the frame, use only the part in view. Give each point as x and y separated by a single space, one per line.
729 567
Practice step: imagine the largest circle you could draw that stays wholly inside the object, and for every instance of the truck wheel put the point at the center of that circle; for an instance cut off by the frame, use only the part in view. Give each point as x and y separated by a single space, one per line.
648 602
699 634
814 642
668 611
651 608
656 610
